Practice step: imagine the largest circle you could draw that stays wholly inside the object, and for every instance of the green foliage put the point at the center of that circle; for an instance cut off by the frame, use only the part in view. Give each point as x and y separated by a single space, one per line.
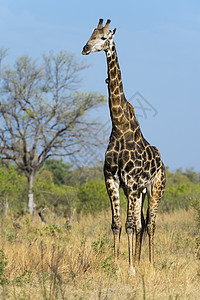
3 264
12 185
59 169
23 278
10 181
180 192
176 178
196 206
86 191
92 197
48 194
195 200
192 176
175 198
84 174
52 229
103 246
108 264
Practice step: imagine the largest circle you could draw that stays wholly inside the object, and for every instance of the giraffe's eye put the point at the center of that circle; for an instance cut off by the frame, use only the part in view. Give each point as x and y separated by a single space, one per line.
103 38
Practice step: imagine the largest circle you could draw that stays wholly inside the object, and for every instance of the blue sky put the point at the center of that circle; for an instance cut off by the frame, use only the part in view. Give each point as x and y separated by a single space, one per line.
158 44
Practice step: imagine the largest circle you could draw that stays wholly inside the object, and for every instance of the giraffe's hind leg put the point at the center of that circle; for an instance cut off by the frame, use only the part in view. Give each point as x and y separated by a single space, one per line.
139 234
134 224
112 186
154 196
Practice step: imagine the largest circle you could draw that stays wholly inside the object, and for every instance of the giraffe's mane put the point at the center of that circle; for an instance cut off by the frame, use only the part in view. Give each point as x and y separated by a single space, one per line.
131 107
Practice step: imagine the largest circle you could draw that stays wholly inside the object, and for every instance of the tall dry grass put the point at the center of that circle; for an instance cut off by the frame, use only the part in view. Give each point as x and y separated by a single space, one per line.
52 261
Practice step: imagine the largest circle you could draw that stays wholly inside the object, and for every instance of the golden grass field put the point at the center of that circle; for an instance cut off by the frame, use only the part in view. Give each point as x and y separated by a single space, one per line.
51 261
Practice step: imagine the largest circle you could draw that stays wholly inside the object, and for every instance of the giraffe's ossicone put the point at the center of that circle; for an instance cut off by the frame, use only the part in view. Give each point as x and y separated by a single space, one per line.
130 161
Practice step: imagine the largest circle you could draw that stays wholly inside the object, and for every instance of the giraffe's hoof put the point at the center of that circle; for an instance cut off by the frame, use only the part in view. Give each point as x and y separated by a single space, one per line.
131 271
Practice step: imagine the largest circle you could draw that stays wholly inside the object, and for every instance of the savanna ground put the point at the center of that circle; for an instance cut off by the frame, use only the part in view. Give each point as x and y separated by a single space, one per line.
54 261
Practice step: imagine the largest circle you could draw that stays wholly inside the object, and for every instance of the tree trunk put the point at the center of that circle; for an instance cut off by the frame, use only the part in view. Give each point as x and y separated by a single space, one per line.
31 204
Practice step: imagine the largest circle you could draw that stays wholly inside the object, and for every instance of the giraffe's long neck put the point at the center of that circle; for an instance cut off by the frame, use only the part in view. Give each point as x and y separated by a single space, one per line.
117 101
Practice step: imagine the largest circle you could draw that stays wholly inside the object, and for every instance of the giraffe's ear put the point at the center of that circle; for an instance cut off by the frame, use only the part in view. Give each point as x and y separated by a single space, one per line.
113 32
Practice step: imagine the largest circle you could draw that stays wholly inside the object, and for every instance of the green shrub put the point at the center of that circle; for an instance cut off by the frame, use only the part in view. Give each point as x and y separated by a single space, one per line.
59 170
3 264
47 194
180 192
175 198
12 186
92 197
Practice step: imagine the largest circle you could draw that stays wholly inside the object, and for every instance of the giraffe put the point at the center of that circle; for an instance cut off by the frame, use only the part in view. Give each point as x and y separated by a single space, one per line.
130 161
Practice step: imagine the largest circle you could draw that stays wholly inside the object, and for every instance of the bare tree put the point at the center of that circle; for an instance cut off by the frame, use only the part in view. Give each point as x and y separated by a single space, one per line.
41 114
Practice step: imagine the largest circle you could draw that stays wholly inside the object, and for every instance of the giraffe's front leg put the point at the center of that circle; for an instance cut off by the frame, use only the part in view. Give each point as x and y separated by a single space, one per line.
130 231
113 192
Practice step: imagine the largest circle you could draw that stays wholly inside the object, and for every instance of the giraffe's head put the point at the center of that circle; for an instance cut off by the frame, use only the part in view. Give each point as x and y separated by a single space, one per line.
100 38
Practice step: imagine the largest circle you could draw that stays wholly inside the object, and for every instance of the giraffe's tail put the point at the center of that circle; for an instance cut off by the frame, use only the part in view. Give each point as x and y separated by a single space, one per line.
146 221
144 226
143 221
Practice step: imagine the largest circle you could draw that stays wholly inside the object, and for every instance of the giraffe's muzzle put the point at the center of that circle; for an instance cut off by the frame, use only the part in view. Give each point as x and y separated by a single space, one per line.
86 50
